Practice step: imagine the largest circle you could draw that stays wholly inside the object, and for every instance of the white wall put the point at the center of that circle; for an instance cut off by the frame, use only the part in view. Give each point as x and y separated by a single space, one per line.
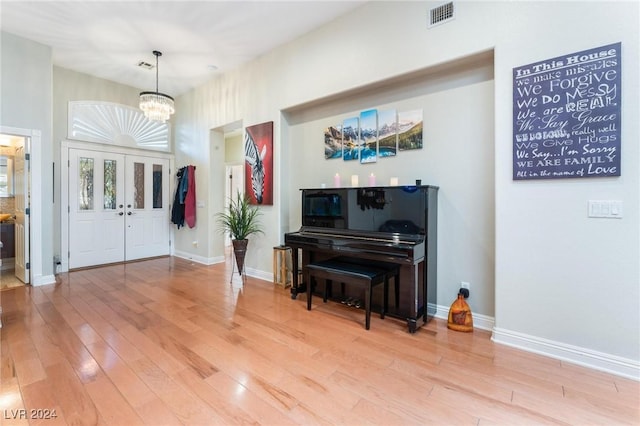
561 276
561 280
25 84
74 86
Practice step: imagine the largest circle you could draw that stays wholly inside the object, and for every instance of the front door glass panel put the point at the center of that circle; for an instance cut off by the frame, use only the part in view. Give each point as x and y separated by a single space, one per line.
138 185
110 191
157 186
85 196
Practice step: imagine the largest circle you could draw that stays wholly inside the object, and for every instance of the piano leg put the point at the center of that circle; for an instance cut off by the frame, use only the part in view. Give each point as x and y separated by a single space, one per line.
294 266
412 325
296 285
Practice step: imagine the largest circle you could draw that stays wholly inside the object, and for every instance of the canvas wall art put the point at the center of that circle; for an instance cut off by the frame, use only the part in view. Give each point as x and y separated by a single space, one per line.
350 139
258 153
387 133
333 142
410 125
567 115
369 136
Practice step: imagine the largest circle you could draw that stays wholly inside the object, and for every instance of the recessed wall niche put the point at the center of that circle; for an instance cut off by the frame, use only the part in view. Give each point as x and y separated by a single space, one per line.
457 98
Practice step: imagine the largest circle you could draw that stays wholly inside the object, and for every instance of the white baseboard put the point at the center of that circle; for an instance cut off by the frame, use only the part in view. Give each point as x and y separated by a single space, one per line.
43 280
199 259
250 272
619 366
576 355
256 273
482 322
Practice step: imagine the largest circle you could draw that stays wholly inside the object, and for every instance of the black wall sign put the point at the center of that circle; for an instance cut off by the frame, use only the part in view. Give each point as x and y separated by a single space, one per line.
566 116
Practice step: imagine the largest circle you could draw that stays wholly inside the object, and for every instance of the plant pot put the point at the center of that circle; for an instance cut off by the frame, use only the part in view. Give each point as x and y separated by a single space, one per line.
239 251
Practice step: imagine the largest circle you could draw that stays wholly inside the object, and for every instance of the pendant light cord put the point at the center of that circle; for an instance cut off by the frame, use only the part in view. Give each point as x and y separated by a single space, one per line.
155 52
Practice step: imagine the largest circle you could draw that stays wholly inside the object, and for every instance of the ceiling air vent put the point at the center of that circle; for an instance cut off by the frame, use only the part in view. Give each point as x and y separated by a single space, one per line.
145 65
441 14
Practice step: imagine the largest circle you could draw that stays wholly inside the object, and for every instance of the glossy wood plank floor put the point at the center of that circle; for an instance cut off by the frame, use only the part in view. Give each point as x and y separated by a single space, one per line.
169 342
8 279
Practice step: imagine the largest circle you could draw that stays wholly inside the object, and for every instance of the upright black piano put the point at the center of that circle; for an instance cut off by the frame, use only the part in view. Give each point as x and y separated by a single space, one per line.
375 224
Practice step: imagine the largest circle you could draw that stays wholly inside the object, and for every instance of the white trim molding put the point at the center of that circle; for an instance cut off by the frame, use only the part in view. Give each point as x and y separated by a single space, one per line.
37 280
576 355
483 322
257 273
35 221
198 259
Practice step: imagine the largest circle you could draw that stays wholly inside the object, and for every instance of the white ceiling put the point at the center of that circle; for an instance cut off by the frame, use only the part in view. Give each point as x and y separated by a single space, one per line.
108 39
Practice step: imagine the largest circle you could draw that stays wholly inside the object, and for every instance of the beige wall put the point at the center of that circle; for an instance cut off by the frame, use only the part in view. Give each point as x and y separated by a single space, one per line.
26 104
73 86
546 254
561 279
457 158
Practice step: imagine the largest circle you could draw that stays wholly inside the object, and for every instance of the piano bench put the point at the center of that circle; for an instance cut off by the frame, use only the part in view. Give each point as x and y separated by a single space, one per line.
364 275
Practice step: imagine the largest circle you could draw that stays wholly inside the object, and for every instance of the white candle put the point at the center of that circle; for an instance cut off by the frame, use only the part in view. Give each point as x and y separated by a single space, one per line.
372 180
336 181
394 181
354 180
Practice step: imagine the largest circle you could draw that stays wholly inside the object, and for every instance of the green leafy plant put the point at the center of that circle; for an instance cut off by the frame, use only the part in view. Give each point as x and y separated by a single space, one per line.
240 219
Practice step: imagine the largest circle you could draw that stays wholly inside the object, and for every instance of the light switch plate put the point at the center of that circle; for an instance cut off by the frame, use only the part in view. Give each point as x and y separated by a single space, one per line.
611 209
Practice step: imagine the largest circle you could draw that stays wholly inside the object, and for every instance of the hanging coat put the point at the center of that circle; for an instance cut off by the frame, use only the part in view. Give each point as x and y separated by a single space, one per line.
177 210
190 200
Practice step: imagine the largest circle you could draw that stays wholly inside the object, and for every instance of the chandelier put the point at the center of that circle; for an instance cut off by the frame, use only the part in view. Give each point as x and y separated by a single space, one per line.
155 105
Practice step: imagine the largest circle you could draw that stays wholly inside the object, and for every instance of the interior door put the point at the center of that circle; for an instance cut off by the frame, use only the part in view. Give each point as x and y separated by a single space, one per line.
96 208
147 207
22 191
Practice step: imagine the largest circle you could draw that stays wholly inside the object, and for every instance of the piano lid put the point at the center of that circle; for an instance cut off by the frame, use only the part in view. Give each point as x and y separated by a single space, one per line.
397 210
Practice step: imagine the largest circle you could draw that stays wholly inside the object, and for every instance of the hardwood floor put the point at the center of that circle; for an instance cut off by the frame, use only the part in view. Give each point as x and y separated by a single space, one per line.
8 279
167 341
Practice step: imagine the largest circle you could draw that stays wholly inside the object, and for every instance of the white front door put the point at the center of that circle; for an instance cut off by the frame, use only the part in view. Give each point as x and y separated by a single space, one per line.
147 207
96 208
118 207
22 190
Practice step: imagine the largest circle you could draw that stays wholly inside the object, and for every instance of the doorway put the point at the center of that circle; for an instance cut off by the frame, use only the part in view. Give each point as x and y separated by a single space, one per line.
15 189
234 185
118 206
234 167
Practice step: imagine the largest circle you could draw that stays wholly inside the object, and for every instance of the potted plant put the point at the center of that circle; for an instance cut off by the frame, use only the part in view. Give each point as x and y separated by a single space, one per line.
240 220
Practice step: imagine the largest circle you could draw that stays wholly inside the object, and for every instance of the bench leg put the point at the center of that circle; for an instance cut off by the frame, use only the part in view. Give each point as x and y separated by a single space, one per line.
308 279
327 290
367 306
385 298
396 286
